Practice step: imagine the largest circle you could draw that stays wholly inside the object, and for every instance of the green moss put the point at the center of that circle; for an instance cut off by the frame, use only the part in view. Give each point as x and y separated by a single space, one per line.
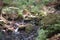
42 34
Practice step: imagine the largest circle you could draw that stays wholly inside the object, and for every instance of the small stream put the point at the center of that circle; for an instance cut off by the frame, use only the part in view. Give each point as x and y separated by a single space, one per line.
21 34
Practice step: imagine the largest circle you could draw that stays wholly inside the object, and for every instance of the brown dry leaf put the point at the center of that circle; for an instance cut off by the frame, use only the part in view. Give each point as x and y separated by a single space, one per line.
3 19
26 12
11 28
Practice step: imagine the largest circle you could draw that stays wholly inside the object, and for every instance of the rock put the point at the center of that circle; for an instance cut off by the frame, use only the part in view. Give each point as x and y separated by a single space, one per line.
29 28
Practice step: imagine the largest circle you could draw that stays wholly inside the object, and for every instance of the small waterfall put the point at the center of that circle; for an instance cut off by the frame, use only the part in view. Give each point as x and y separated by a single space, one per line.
16 30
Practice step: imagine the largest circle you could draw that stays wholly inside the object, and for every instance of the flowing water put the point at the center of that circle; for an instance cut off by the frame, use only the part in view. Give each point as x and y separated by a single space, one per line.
20 35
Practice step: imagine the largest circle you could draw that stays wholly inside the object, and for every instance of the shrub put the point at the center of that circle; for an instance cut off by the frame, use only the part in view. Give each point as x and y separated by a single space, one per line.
50 26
